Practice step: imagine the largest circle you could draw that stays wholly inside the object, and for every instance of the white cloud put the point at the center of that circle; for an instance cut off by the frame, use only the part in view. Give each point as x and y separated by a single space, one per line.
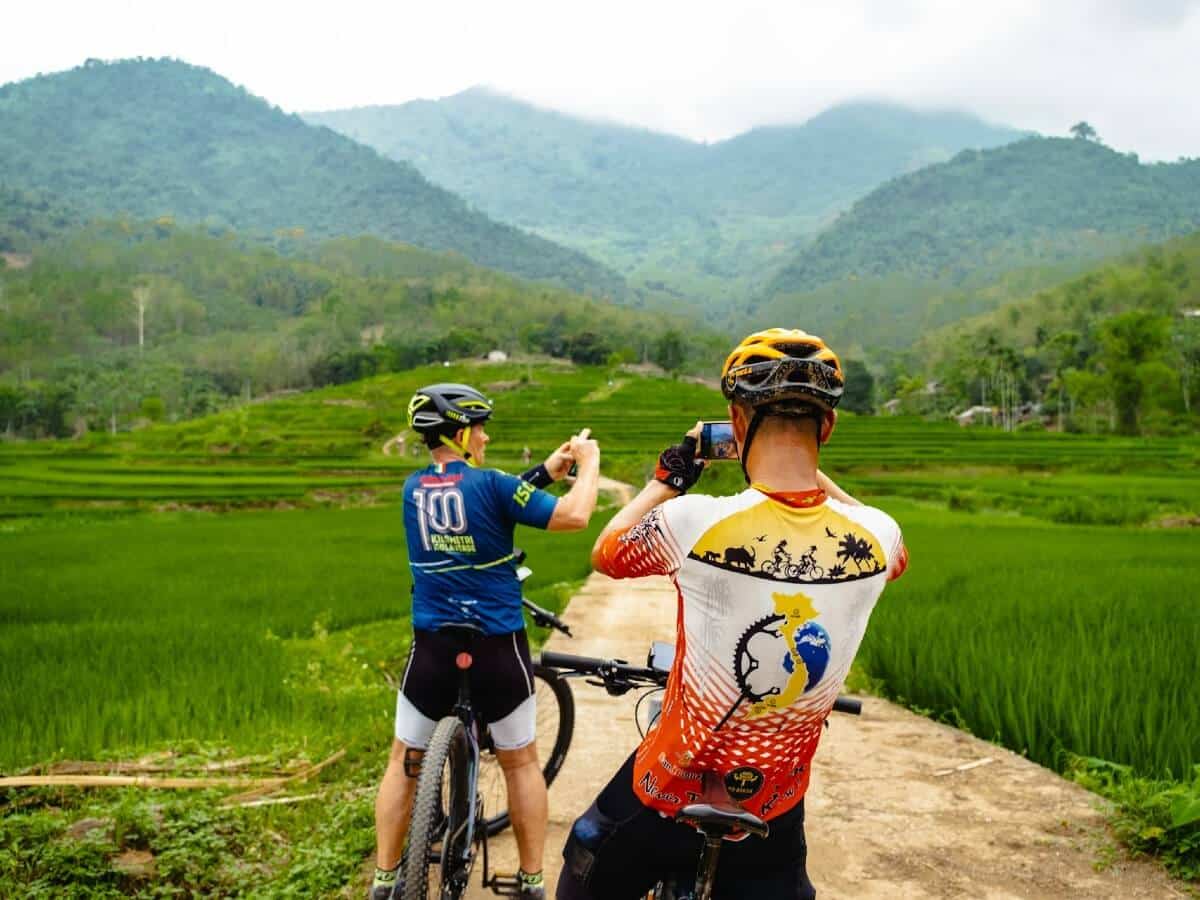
706 70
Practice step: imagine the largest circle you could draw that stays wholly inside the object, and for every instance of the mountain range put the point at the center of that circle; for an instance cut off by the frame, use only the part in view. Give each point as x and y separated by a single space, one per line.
965 236
671 214
160 138
869 223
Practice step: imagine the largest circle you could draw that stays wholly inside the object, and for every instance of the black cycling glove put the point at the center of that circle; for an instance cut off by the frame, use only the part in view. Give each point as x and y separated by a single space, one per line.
678 467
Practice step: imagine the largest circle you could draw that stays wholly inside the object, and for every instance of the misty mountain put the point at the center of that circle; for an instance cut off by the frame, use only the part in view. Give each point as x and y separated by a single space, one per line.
685 217
1041 199
961 237
154 138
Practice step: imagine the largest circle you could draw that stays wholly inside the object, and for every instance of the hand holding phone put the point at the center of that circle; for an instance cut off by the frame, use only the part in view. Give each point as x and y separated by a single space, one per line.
716 441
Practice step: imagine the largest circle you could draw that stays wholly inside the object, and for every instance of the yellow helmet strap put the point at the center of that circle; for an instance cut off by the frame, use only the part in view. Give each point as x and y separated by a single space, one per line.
457 447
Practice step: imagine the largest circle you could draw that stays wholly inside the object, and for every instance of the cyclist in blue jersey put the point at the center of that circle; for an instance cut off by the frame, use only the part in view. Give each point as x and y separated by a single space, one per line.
459 520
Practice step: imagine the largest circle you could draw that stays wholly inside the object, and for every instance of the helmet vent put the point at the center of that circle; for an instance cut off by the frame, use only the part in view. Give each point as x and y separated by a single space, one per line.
800 351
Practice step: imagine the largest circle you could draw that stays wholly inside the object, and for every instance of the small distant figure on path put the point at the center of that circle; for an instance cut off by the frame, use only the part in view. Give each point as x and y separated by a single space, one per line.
526 456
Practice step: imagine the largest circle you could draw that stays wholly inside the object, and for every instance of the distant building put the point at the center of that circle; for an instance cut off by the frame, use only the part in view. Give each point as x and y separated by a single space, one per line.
372 335
975 415
892 407
497 356
1191 313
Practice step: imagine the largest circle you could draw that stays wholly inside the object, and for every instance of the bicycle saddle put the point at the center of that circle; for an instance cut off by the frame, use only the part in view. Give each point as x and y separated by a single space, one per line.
721 820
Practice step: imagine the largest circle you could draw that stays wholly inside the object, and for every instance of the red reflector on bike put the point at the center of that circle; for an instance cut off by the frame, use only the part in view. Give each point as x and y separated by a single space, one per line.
463 660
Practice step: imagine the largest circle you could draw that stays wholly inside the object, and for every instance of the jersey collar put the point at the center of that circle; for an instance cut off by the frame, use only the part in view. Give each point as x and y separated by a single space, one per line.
794 499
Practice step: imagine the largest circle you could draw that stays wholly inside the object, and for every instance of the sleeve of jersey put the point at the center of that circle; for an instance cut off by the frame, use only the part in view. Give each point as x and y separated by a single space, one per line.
647 548
522 502
898 554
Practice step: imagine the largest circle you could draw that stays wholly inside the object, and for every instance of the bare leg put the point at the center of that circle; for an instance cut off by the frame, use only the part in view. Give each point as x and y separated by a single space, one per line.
393 809
527 803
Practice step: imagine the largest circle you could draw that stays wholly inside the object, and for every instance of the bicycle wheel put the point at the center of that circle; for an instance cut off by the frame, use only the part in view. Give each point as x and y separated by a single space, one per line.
555 725
442 811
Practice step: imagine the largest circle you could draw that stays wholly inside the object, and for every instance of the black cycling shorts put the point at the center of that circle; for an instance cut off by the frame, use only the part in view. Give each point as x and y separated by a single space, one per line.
501 679
619 849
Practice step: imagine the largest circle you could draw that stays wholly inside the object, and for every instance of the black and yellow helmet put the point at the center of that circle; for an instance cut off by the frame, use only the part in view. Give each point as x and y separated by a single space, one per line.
445 408
780 367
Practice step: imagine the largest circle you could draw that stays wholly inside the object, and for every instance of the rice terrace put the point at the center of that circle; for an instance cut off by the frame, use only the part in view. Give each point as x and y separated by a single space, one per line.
170 601
229 323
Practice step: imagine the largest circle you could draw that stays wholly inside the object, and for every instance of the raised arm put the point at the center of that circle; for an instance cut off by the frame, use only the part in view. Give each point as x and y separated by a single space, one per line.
574 509
654 493
676 472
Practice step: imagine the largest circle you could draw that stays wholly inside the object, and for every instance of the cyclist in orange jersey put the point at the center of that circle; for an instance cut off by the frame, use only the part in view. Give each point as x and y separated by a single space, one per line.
762 650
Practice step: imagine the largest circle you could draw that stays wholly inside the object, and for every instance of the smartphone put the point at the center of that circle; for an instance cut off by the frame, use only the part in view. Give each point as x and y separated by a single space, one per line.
662 655
716 441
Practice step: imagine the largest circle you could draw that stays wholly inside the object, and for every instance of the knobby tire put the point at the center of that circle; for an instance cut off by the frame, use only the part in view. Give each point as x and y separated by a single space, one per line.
436 819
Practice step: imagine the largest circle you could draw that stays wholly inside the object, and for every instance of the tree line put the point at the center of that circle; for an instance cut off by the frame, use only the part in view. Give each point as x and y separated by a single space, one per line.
1115 350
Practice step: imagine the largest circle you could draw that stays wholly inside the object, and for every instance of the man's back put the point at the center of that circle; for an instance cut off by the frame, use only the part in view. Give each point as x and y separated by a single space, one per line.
459 523
764 646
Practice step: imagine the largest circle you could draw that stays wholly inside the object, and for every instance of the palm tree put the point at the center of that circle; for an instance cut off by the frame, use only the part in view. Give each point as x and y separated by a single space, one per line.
854 549
1084 132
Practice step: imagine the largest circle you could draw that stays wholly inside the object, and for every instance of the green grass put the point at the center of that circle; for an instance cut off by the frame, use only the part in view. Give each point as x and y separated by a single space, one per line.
240 581
191 625
324 447
1047 638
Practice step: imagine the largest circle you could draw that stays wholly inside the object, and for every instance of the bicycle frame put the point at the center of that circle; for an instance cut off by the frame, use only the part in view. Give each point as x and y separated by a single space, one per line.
475 826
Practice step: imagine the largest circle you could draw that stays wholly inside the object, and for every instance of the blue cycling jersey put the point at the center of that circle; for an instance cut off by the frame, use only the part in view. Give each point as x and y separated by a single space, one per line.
459 523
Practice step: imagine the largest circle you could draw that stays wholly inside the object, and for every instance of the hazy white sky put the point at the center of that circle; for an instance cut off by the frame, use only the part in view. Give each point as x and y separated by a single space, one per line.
706 70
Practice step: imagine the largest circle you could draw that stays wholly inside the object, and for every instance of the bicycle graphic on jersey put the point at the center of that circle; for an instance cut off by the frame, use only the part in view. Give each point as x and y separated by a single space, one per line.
780 565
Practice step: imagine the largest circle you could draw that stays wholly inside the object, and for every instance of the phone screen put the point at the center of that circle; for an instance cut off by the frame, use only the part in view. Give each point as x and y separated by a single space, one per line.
716 441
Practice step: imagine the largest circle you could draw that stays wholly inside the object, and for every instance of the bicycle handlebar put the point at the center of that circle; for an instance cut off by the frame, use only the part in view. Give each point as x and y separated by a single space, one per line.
848 705
618 677
545 618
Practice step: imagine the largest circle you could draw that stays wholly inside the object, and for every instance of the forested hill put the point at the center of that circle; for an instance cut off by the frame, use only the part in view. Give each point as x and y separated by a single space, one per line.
154 138
28 218
1119 345
120 314
1036 202
687 217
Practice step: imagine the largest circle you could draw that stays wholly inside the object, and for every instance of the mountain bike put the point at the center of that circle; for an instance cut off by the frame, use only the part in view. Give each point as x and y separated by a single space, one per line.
715 823
460 777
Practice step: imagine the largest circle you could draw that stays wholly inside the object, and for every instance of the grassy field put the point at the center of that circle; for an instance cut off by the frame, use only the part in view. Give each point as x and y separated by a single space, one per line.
1047 638
324 448
237 585
196 626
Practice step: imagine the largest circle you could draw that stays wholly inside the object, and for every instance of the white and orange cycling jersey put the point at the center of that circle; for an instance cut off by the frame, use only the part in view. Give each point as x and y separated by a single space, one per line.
775 590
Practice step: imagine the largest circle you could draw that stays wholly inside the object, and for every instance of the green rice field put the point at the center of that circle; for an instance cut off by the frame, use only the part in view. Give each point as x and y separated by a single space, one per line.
241 581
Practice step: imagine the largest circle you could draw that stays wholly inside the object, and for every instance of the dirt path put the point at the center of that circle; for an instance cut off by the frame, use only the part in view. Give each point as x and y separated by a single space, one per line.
621 491
881 821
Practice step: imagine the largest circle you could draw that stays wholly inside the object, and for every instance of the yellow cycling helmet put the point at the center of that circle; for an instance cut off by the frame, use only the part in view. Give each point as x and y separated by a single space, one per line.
781 372
780 366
